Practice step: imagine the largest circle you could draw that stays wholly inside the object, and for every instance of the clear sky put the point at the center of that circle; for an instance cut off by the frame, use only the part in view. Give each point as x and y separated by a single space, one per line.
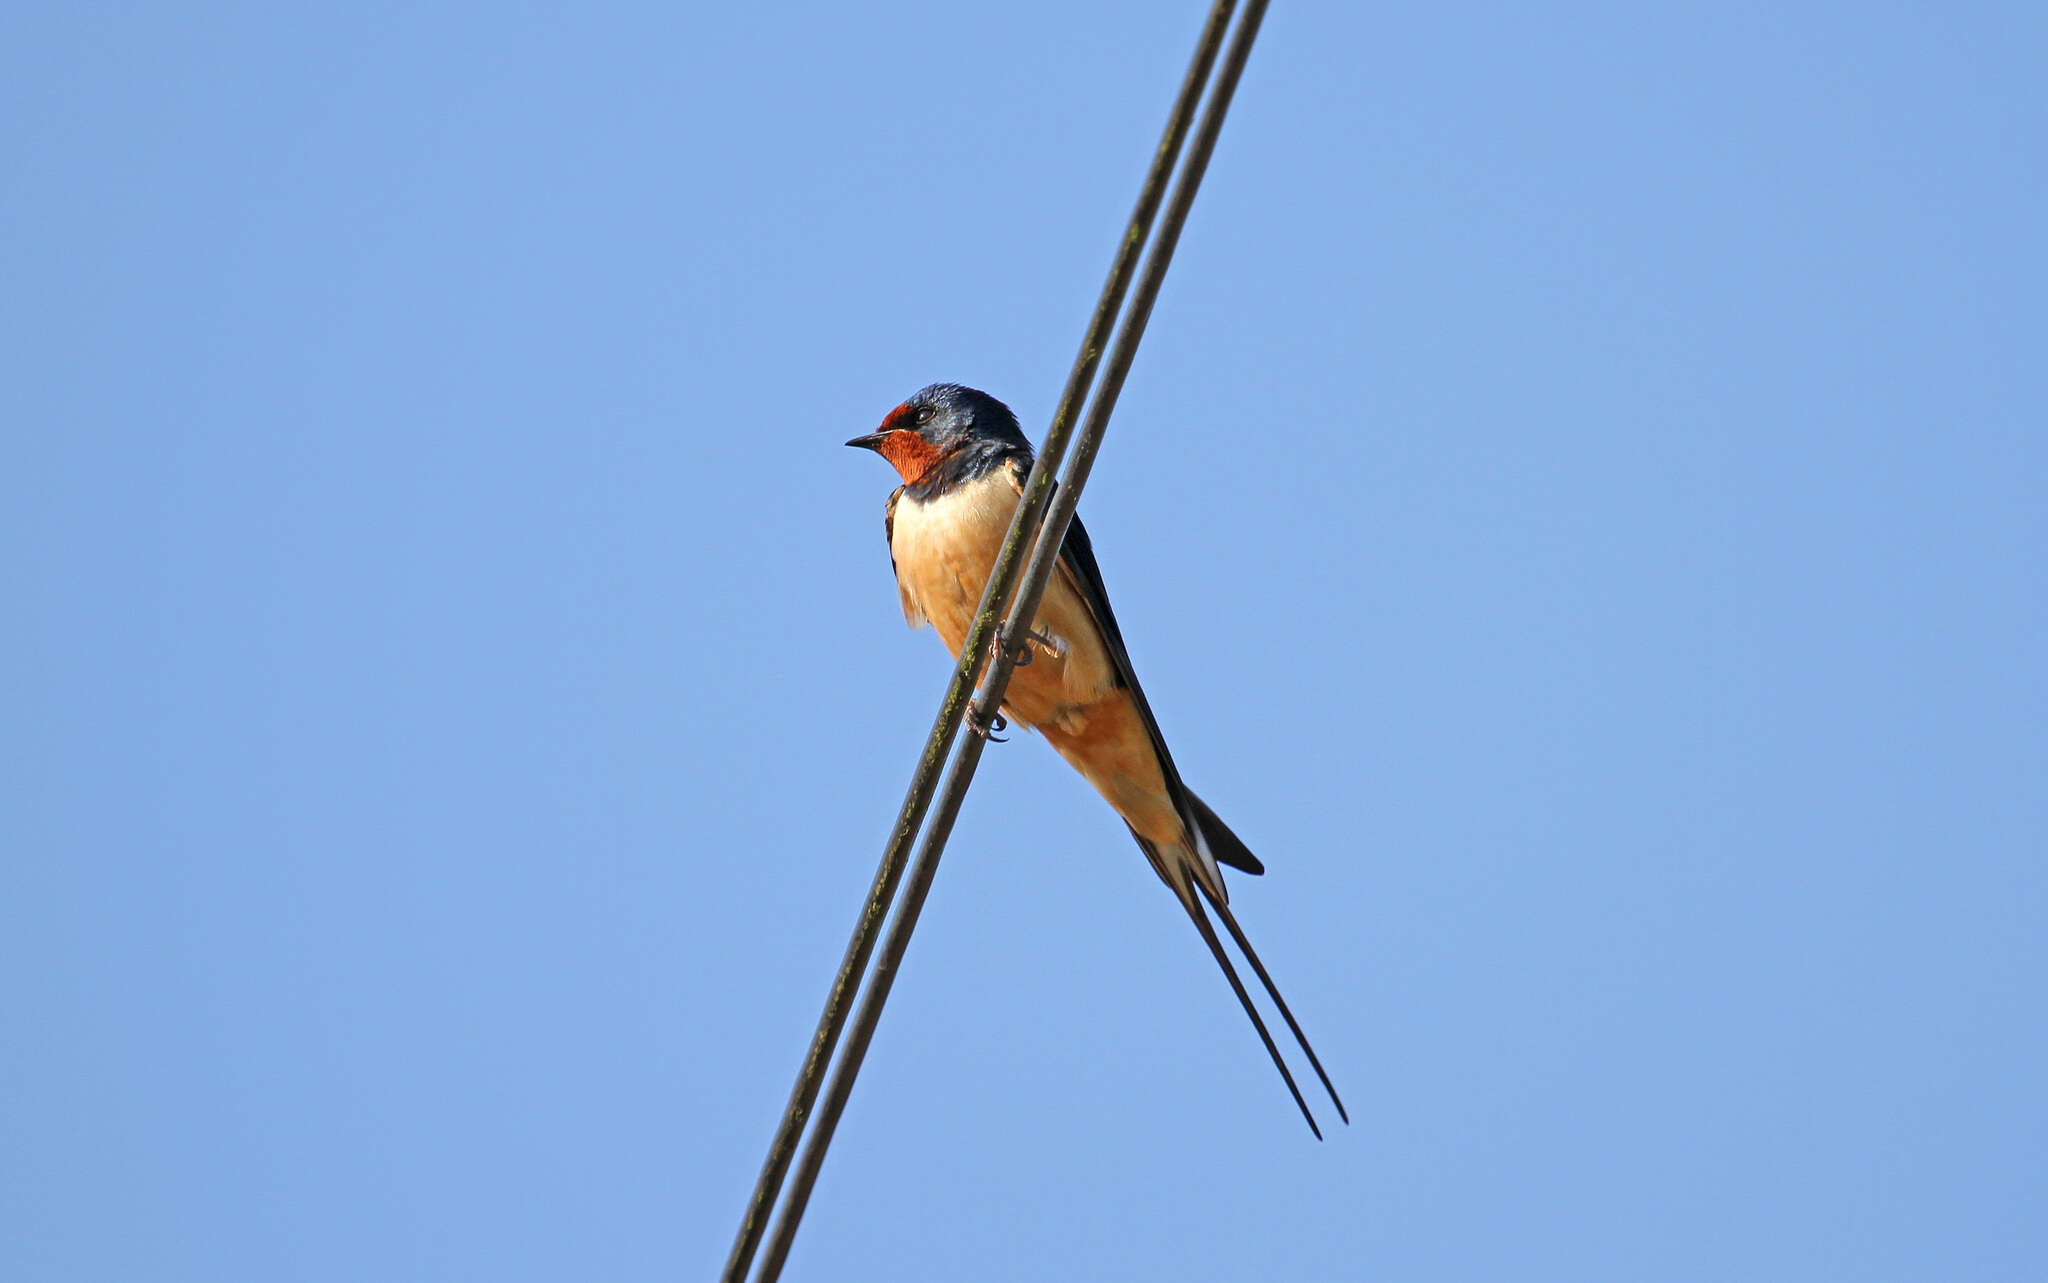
1579 515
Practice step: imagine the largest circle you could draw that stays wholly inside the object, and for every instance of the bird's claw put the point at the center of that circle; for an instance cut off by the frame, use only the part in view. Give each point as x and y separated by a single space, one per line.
1019 657
1023 655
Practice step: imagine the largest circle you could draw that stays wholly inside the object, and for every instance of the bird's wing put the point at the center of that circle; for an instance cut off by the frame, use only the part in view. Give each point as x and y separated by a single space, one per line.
1211 838
1083 577
911 614
1079 572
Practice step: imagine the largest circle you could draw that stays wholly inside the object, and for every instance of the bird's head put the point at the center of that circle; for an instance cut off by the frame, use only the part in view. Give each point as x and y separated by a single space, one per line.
941 423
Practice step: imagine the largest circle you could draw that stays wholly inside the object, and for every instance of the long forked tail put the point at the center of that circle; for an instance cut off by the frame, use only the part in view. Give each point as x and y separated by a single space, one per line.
1185 893
1273 991
1189 871
1214 840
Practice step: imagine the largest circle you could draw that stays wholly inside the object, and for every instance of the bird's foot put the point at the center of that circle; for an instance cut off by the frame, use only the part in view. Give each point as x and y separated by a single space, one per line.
987 730
1023 655
1018 657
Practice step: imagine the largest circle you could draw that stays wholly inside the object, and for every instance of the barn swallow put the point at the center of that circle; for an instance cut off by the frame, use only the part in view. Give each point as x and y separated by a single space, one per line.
964 460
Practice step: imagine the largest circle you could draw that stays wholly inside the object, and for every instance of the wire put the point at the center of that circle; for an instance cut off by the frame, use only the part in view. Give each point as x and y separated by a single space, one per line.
924 783
916 803
1044 557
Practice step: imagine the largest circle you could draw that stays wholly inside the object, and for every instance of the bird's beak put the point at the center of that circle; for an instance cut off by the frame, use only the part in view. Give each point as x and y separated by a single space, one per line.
868 442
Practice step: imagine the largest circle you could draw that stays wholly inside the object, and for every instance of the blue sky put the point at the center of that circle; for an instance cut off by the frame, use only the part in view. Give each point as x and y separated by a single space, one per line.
1578 514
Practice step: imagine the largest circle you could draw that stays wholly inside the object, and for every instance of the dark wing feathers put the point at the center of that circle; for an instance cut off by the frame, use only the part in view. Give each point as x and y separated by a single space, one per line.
911 614
889 526
1077 560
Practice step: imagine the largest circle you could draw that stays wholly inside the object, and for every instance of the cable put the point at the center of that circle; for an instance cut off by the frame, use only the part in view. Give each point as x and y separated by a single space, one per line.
917 801
989 701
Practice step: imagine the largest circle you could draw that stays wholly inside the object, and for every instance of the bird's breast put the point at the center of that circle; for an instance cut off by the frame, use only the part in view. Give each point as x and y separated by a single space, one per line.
945 548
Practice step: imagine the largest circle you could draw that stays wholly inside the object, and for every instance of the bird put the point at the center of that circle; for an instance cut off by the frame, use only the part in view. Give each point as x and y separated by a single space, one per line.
963 460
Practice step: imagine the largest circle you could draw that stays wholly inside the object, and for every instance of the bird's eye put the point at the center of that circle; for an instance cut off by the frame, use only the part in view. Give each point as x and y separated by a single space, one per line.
924 414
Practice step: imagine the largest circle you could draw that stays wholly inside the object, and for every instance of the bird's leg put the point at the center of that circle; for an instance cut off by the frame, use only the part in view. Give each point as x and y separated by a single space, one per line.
1022 655
987 730
1019 657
